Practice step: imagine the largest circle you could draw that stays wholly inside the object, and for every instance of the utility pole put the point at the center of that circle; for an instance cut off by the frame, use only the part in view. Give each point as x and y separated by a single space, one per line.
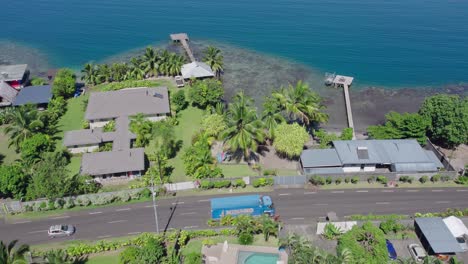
153 195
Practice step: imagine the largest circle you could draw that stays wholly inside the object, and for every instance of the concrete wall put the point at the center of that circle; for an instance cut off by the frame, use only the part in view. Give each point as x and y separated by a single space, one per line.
83 149
95 124
156 118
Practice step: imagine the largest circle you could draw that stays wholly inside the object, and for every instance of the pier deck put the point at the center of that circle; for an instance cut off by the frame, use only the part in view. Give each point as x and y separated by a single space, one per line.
349 113
183 39
345 82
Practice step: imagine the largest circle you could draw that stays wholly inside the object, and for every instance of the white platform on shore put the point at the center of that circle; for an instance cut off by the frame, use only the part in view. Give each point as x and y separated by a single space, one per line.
341 80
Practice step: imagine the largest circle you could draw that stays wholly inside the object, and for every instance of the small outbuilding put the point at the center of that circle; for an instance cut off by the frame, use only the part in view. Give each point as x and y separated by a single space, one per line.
7 94
38 95
435 236
196 69
15 75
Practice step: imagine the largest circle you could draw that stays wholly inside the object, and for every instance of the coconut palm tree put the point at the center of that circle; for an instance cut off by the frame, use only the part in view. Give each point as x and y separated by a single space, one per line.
135 70
150 62
59 257
244 130
90 74
299 102
164 62
214 59
269 227
10 254
271 116
104 73
24 122
175 64
118 72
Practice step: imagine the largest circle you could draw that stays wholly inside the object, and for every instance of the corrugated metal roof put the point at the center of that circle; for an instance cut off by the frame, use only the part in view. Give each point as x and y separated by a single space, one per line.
438 236
12 72
99 163
319 171
414 167
432 156
7 92
320 158
34 95
127 102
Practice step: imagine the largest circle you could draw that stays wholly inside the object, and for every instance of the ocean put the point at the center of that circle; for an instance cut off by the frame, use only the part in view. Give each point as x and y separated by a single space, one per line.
397 43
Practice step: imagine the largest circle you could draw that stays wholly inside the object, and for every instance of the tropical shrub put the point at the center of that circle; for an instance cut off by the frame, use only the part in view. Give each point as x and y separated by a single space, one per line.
331 231
338 181
329 180
178 101
206 92
371 179
206 185
435 178
213 125
64 83
355 180
222 184
290 139
239 183
423 179
347 180
270 172
317 180
391 225
382 179
260 182
245 238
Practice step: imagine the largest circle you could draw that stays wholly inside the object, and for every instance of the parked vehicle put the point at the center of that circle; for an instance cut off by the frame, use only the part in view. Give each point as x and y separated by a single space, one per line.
254 205
391 250
61 230
417 252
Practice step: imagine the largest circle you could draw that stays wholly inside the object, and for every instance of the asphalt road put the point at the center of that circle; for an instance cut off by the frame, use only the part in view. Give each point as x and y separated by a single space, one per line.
294 206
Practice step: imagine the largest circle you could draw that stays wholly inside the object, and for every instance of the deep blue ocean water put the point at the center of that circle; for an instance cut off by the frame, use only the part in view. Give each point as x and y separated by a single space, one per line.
380 42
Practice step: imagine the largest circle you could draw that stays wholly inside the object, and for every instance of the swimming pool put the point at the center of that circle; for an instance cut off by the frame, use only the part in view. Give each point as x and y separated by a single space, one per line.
248 257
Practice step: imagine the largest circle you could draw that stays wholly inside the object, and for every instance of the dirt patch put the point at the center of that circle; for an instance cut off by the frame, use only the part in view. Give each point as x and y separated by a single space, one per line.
458 157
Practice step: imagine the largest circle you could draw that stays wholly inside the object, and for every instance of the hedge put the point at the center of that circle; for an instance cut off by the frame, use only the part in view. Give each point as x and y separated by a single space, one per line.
260 182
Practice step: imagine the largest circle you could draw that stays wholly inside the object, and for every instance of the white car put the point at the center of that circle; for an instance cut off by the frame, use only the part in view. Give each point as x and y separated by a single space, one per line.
61 230
417 252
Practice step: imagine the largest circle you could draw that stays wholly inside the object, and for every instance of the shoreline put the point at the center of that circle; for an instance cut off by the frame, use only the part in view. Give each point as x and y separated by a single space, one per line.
258 74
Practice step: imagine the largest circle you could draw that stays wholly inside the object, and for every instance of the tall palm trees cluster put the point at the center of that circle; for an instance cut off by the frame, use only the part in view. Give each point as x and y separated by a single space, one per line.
246 130
12 253
152 63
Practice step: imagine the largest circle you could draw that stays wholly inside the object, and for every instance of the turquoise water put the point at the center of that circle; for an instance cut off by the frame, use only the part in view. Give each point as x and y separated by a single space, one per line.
389 43
246 257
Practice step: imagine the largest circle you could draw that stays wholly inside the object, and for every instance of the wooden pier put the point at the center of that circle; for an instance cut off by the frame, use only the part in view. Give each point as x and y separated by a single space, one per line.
183 39
345 82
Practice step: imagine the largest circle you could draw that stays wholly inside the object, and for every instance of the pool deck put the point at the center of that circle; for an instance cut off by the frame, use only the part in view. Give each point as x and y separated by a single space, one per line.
223 253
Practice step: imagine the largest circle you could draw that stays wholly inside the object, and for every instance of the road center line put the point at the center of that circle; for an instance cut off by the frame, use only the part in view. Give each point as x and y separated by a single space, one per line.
284 194
178 203
389 191
23 222
382 203
462 190
133 233
337 192
190 213
117 221
150 206
104 236
321 204
442 202
123 209
437 190
61 217
201 201
412 190
93 213
362 191
297 218
310 192
188 227
39 231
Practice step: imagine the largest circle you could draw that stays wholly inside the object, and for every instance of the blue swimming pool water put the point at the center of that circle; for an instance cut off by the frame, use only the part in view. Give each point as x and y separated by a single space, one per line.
247 257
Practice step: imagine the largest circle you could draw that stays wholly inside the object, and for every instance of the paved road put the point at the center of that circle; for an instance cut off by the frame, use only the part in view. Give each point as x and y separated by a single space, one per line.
295 206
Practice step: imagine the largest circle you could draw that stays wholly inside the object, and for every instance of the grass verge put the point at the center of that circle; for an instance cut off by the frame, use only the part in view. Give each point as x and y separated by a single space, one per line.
366 185
7 154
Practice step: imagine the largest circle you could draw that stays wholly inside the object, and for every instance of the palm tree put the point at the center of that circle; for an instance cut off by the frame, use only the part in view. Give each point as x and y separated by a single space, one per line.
271 116
269 227
175 64
90 74
24 122
135 71
11 255
118 71
150 62
214 59
104 73
58 257
299 102
244 131
164 62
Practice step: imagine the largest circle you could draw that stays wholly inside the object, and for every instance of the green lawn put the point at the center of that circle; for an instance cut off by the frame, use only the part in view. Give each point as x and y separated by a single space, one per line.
237 170
189 123
104 258
400 185
74 166
73 118
7 154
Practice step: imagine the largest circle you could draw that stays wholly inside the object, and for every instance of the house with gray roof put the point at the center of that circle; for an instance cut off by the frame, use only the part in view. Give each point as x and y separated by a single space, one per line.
196 69
348 156
14 75
122 161
106 106
7 94
37 95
